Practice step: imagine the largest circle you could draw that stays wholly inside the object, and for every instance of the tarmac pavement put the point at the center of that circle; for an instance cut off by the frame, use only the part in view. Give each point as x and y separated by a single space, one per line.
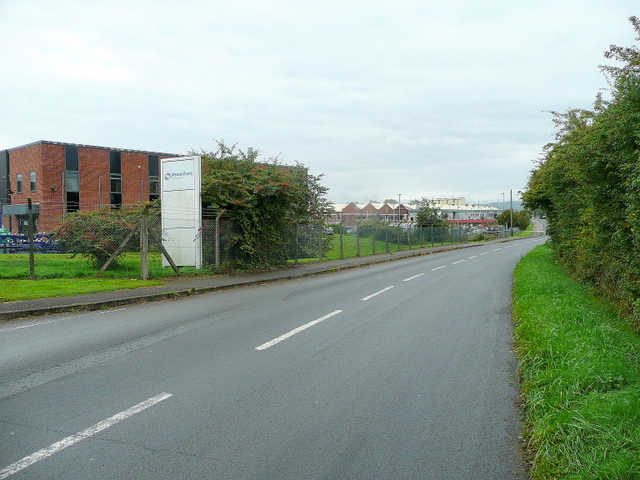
181 287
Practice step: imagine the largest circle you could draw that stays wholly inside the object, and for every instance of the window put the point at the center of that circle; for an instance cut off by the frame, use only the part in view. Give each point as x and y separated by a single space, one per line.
115 162
154 177
71 158
116 190
32 181
18 183
115 175
72 182
72 178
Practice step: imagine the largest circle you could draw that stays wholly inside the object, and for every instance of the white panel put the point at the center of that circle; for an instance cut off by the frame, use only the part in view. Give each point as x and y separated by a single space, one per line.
182 210
178 174
179 211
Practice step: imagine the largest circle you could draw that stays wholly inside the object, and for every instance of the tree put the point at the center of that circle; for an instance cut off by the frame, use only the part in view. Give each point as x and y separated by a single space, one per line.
263 199
429 215
587 183
521 218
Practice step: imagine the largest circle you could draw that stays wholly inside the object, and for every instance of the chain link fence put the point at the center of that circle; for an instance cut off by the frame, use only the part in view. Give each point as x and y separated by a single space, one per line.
128 243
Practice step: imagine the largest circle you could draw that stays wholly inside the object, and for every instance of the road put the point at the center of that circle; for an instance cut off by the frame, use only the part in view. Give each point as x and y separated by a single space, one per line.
402 370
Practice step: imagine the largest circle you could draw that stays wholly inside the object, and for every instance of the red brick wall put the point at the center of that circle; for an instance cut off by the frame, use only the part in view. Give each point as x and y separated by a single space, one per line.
135 177
25 161
93 170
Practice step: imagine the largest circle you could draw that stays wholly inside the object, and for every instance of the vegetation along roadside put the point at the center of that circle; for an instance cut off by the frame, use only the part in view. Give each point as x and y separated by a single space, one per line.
580 376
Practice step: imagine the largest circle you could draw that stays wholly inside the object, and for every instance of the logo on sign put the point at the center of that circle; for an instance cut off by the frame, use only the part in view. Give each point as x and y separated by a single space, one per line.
177 175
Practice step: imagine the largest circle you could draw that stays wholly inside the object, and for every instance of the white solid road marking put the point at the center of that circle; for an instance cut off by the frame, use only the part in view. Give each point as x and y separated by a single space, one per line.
276 340
67 442
411 278
377 293
32 325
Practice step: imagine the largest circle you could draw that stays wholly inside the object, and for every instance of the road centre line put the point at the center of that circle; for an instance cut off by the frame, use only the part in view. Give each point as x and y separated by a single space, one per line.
377 293
474 256
438 268
496 249
485 253
84 434
277 340
459 261
411 278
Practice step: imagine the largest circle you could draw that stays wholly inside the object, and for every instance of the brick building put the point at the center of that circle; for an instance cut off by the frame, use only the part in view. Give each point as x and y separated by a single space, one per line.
62 178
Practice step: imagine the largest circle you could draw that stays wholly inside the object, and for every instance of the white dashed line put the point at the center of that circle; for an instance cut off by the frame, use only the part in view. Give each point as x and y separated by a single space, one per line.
377 293
438 268
459 261
89 432
411 278
277 340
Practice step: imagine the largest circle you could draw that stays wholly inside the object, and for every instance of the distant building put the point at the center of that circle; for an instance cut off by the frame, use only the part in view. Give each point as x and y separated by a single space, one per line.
458 211
62 178
350 214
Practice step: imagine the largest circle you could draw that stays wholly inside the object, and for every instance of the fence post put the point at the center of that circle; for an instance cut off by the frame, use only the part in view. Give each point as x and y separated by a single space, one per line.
357 239
373 240
341 241
217 238
144 246
32 264
386 238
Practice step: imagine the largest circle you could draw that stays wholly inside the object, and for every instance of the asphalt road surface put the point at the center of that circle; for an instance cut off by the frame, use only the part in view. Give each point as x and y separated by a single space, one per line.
402 370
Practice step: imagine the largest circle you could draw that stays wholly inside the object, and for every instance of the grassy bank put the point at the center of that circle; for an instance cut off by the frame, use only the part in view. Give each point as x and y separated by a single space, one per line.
13 290
580 374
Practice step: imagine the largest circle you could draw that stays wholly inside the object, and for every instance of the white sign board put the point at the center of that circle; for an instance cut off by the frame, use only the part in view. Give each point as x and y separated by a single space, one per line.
181 210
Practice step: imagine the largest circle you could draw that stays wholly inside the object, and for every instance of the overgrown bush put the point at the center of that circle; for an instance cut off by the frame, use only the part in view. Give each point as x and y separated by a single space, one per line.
97 234
587 183
263 200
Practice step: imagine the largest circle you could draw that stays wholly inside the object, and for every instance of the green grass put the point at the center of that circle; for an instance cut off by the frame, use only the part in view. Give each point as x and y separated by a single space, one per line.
16 265
12 290
367 247
580 374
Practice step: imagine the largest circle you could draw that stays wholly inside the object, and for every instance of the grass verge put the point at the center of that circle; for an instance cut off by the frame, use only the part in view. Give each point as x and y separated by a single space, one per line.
580 377
13 290
53 265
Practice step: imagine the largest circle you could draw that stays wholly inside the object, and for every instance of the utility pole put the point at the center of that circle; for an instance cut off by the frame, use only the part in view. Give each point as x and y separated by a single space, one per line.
511 213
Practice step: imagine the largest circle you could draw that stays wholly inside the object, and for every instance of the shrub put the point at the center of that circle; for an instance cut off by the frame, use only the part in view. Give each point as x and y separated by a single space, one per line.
97 234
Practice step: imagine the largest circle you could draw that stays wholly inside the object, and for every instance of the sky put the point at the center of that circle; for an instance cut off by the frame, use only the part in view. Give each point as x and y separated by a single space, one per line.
412 98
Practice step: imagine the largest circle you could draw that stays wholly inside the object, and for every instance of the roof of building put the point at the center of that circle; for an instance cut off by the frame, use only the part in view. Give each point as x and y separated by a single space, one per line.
79 145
